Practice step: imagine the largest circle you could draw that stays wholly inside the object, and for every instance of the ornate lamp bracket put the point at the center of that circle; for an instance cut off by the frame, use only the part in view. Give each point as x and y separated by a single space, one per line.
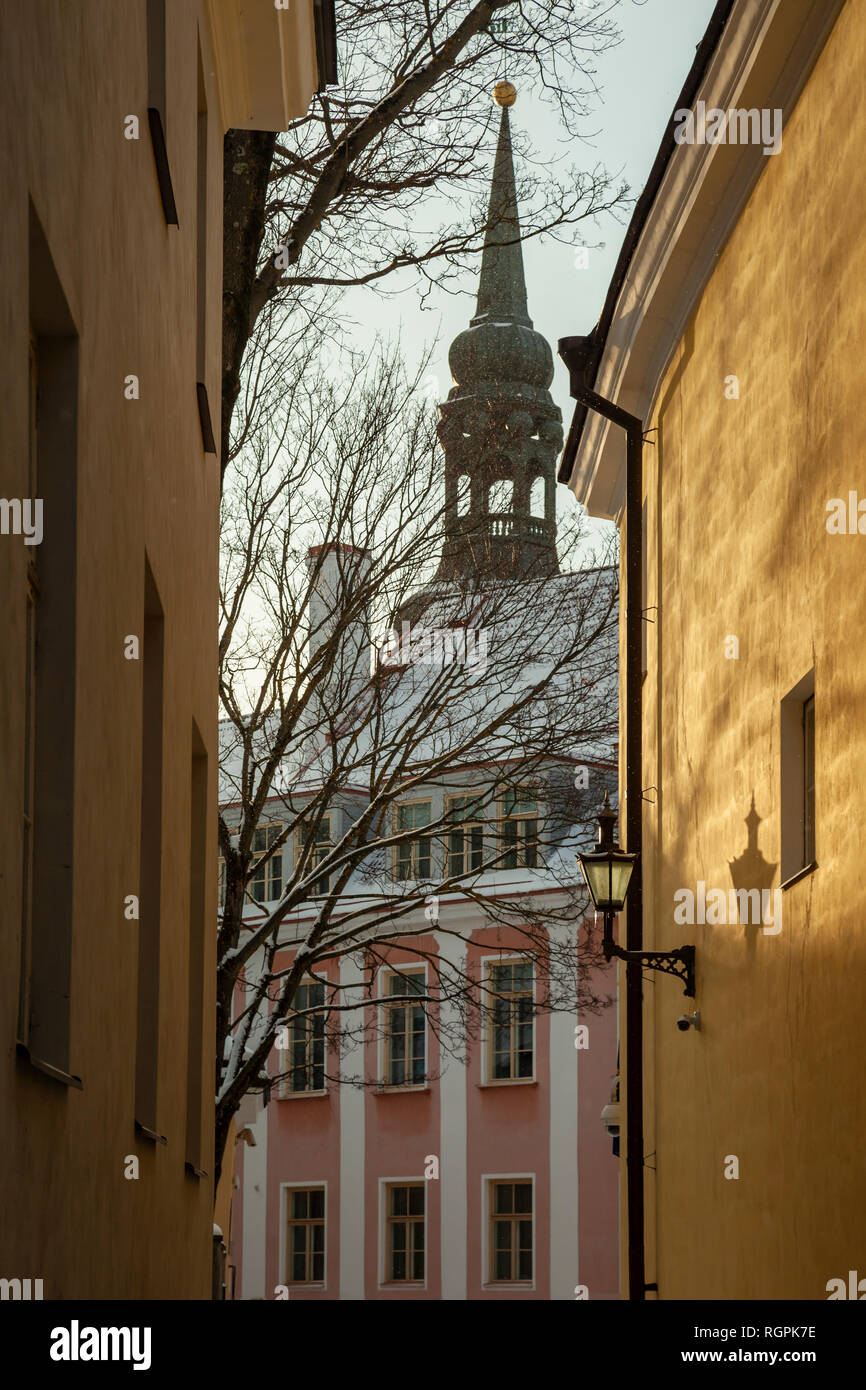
680 962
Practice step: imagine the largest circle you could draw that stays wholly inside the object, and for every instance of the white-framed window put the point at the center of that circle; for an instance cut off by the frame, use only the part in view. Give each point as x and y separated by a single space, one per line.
405 1232
413 857
405 1028
222 882
518 830
304 1209
465 837
510 1230
510 1015
322 844
266 884
302 1059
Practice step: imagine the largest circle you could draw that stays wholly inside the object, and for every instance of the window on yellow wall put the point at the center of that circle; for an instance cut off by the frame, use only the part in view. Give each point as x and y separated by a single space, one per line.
797 759
31 600
809 780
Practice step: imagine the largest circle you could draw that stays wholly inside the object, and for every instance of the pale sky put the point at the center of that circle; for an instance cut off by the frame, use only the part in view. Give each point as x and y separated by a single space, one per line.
639 83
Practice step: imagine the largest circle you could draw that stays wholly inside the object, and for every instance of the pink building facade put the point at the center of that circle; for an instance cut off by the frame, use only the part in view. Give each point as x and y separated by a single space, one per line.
436 1178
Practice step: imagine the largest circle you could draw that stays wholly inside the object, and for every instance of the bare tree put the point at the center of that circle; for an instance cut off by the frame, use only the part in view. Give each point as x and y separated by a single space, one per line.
387 172
353 674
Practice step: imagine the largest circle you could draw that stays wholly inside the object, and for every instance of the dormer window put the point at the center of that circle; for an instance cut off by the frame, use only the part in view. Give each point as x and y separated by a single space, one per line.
465 841
322 846
266 884
518 830
412 857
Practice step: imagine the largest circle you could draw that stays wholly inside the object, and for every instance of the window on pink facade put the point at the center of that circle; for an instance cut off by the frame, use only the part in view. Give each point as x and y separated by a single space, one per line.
306 1040
306 1236
405 1032
510 1232
511 1044
405 1233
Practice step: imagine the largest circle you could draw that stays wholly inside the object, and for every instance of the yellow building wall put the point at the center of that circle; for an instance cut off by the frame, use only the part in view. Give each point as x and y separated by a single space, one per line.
71 74
736 495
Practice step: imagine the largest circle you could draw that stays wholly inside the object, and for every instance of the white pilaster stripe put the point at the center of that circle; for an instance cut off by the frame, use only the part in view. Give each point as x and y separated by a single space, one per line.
452 1146
352 1120
564 1268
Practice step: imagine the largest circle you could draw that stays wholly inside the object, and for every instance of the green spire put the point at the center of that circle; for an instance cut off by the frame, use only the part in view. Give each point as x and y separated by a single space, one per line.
499 429
502 285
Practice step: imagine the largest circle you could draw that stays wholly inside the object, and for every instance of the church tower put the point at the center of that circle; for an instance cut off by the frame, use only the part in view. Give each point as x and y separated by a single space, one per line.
500 429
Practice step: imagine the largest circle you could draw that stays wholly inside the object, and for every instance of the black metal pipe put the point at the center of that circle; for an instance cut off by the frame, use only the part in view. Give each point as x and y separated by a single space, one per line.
634 844
575 353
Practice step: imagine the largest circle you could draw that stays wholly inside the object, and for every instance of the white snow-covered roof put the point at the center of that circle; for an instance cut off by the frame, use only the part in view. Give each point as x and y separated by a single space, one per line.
439 690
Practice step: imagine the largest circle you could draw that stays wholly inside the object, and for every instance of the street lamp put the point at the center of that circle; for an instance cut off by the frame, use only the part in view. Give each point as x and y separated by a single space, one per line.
608 869
607 872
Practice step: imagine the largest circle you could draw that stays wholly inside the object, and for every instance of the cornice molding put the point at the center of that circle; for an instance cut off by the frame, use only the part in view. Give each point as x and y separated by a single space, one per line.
764 58
264 61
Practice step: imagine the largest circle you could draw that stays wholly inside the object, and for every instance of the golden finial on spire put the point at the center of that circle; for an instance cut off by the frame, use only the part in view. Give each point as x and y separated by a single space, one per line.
504 94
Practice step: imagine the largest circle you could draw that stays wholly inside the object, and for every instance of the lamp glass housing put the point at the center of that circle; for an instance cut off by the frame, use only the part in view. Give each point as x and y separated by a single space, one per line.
607 874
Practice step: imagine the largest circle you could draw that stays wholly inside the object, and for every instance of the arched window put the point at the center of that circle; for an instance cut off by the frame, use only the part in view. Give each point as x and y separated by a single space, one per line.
536 497
500 498
464 494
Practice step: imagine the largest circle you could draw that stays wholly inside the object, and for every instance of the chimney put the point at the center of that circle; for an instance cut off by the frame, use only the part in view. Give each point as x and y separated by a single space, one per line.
339 571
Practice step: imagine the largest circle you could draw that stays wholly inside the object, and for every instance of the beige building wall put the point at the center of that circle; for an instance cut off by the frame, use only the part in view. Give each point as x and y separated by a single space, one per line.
737 491
130 481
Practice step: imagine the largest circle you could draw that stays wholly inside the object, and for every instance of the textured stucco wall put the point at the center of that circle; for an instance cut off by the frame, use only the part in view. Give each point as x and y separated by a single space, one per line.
737 492
70 74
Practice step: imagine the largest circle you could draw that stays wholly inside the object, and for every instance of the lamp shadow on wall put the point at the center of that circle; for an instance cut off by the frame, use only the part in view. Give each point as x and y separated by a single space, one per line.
750 871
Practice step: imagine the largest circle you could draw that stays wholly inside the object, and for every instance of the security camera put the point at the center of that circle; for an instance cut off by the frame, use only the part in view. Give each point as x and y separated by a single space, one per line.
687 1021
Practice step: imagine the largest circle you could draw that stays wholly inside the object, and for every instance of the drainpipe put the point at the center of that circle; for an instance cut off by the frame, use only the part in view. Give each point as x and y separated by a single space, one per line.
575 354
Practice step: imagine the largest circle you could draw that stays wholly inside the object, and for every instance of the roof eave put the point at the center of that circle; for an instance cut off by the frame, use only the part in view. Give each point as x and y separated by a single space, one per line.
752 55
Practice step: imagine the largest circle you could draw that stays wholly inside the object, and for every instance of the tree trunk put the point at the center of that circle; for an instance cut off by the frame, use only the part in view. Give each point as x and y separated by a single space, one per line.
247 157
